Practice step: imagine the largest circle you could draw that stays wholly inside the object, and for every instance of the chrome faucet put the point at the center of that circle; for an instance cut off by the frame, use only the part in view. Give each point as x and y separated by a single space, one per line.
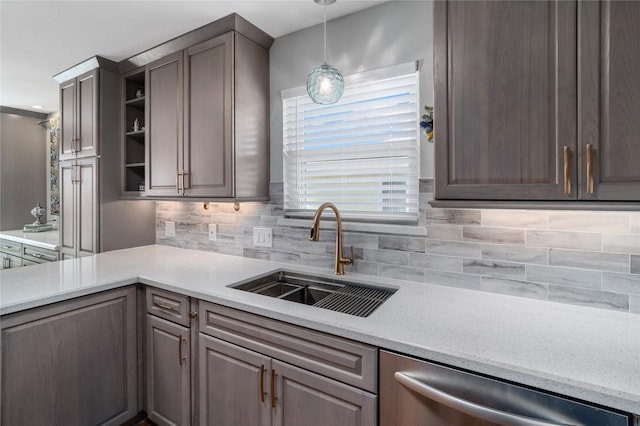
315 233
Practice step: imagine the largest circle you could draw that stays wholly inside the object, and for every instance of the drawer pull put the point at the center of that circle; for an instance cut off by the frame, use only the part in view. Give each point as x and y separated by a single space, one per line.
8 247
567 170
273 388
164 306
589 168
262 392
467 407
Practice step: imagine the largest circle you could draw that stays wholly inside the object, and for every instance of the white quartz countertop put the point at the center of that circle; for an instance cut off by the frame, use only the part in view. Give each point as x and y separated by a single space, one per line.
586 353
48 239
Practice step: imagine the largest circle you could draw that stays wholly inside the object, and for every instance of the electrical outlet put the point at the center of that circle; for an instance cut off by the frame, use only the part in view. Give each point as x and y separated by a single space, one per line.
169 229
262 237
213 232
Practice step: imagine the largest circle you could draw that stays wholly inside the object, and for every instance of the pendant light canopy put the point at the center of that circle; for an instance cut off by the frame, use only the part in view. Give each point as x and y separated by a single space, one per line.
325 83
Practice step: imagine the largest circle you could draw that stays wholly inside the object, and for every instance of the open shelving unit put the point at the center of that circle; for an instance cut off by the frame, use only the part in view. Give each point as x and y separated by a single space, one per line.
134 91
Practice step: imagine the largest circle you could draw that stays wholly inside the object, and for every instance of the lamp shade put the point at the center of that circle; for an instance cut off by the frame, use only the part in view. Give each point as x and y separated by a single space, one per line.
325 84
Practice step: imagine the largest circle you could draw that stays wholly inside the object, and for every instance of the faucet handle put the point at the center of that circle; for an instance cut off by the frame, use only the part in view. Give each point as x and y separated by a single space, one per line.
352 259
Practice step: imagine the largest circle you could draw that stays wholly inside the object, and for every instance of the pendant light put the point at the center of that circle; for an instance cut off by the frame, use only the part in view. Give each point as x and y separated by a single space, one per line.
325 84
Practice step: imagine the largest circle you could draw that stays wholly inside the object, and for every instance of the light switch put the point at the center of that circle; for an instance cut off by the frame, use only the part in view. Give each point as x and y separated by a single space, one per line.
262 237
170 229
213 232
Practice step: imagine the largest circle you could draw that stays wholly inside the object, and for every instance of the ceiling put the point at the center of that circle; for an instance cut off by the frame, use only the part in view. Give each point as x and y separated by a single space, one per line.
39 39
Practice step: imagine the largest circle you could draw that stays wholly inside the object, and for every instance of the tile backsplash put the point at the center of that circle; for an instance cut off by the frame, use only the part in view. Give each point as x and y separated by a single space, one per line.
575 257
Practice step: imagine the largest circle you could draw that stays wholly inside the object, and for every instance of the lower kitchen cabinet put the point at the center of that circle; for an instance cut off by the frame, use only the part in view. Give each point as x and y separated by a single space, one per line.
242 387
71 363
257 371
168 372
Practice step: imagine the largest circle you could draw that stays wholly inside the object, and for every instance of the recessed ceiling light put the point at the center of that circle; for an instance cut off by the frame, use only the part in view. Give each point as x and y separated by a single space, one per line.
36 106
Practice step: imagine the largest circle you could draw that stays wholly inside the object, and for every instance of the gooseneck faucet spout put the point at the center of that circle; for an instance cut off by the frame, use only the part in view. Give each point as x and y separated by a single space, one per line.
315 233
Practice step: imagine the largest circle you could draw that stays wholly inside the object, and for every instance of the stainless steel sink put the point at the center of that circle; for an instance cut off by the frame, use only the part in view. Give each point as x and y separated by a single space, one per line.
334 294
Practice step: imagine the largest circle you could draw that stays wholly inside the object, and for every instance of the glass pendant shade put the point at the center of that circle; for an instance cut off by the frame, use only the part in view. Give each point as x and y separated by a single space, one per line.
325 85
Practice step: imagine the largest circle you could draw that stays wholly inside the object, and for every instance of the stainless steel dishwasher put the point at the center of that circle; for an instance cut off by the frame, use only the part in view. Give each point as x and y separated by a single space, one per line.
420 393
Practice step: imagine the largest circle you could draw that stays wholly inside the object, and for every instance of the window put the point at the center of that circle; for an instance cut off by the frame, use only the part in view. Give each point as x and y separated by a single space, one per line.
361 153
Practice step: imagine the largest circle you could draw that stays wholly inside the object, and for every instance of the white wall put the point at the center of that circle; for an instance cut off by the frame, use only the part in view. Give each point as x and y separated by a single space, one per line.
389 34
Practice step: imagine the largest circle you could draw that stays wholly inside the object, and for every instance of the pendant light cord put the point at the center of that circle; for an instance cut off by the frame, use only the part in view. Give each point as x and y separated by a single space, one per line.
325 31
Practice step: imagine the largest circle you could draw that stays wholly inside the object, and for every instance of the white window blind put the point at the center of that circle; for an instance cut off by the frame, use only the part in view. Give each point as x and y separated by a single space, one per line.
361 153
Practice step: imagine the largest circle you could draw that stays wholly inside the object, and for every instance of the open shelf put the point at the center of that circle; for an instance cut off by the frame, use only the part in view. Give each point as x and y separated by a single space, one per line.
133 140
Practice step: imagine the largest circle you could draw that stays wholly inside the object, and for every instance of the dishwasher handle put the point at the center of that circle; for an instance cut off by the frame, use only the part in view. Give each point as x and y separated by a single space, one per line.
467 407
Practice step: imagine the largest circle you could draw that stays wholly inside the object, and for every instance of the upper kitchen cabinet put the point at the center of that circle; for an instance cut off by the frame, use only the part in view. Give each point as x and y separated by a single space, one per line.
505 99
207 114
79 100
609 100
537 100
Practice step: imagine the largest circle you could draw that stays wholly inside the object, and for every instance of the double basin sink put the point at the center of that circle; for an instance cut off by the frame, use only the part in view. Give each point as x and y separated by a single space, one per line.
333 294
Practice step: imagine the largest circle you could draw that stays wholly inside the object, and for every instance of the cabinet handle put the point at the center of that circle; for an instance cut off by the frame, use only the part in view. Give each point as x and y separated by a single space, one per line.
6 263
192 314
178 174
273 388
262 392
589 168
567 170
6 247
467 407
184 186
164 306
180 357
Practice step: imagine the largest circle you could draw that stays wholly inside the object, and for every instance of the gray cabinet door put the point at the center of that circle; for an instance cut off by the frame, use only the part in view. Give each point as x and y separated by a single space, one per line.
234 385
71 363
67 229
67 119
163 110
609 100
168 372
505 100
87 120
305 398
208 124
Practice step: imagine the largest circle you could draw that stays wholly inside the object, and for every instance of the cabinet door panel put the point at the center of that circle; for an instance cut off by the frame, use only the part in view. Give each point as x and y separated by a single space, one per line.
610 99
230 385
168 378
66 225
67 119
74 364
87 119
87 207
505 98
208 118
164 125
305 398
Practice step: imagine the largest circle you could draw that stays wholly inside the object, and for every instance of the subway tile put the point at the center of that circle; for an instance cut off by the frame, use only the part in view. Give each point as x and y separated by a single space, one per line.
515 288
589 221
621 243
591 298
442 263
302 247
444 232
367 241
561 239
453 216
621 283
454 248
493 235
563 276
401 243
401 272
389 257
589 260
634 304
521 254
325 262
635 264
515 219
367 268
494 269
453 279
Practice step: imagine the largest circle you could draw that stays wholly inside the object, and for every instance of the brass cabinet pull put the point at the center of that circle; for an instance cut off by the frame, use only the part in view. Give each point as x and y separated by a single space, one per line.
192 314
262 392
589 168
180 357
567 170
184 185
273 388
163 306
178 181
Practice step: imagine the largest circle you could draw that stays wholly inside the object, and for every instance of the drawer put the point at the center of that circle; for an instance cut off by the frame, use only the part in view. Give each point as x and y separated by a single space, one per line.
10 247
170 306
9 261
39 255
335 357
